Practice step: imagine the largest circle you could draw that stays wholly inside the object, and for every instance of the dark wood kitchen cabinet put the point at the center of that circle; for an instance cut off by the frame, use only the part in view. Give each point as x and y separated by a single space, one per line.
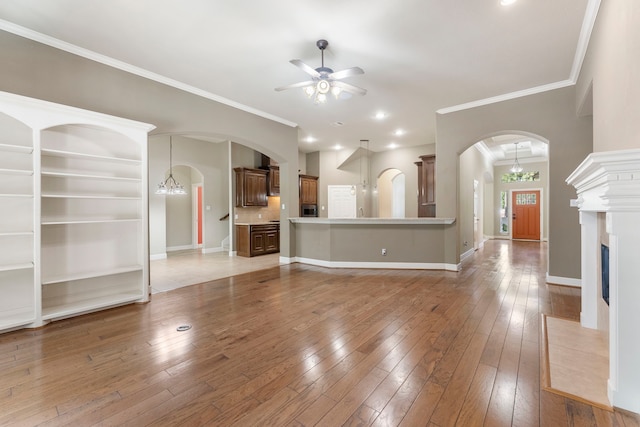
308 190
251 187
274 181
427 186
257 239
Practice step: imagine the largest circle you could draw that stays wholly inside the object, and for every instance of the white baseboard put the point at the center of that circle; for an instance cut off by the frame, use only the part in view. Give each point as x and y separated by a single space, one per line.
501 237
212 250
286 260
380 265
467 254
156 257
564 281
179 248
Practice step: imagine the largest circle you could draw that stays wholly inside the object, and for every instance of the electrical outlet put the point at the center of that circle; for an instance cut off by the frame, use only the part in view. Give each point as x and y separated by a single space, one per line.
384 251
259 215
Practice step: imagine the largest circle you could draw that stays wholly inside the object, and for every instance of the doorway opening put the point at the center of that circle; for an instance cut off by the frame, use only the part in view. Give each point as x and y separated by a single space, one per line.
184 212
391 194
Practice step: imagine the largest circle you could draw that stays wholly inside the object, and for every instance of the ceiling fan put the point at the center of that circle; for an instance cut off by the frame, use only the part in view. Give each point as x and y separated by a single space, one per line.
324 79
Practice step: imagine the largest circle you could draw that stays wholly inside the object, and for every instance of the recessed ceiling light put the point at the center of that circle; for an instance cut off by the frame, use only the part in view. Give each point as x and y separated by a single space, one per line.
392 145
310 139
399 132
380 115
337 147
507 2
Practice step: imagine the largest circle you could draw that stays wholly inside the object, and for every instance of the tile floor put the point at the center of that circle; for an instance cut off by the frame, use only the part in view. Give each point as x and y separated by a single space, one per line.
189 267
578 360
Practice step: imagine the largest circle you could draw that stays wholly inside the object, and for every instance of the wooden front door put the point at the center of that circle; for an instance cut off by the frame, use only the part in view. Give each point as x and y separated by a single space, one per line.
526 215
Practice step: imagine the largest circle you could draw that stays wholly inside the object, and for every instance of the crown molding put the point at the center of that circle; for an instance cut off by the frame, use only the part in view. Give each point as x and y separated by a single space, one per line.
485 151
120 65
506 96
585 35
588 23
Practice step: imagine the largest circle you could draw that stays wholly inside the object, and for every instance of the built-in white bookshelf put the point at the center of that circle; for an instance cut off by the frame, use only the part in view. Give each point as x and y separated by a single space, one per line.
74 227
17 258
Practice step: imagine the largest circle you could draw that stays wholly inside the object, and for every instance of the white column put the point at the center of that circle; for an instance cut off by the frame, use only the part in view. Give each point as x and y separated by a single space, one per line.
589 269
624 311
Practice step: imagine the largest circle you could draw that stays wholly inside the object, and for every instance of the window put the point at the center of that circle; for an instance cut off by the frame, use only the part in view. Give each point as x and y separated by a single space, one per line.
521 176
526 199
504 207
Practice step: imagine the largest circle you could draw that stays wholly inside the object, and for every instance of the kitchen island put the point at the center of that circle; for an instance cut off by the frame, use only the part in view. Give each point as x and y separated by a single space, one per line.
402 243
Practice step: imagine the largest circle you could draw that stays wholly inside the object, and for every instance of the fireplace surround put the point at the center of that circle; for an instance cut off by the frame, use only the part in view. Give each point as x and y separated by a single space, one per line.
609 183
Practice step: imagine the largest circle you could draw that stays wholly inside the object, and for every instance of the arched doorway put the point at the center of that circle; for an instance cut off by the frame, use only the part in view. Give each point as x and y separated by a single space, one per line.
488 181
391 194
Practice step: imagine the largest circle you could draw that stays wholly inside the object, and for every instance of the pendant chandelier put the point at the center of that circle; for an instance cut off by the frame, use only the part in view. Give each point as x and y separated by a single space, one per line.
516 168
170 186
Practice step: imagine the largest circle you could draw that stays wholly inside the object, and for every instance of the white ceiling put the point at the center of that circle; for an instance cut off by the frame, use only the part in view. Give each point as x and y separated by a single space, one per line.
419 56
503 149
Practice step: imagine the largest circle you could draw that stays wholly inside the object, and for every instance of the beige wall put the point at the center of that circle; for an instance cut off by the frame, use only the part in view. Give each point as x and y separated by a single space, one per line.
549 116
335 168
472 167
612 65
179 211
32 69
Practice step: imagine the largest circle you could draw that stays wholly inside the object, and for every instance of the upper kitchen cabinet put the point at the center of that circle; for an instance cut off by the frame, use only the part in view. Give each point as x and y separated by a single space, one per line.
308 190
251 187
274 181
427 186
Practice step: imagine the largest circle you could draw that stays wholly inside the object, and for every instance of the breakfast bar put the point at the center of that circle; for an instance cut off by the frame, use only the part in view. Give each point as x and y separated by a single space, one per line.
402 243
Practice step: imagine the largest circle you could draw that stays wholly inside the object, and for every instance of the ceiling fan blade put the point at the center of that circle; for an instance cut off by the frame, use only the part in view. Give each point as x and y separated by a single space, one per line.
353 71
349 88
306 68
295 85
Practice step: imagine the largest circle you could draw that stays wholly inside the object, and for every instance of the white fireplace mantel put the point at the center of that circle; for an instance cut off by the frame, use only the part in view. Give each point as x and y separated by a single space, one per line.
610 182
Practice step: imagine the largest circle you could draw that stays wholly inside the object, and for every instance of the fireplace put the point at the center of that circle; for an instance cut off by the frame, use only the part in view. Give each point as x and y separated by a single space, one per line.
608 187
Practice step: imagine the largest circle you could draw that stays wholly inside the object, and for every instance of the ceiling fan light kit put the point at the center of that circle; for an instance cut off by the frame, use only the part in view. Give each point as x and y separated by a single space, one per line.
324 79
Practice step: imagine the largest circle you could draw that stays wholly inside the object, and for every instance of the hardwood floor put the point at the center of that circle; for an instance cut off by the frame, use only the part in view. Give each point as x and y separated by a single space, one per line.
299 345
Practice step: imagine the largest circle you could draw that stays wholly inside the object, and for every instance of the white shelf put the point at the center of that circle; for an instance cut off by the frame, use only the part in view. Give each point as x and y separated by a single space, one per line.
71 154
16 172
90 275
14 267
16 148
17 195
90 196
90 221
89 305
16 233
88 176
18 317
80 177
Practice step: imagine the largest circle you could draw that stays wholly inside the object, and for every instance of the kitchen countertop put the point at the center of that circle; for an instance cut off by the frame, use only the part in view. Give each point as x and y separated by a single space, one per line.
258 223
